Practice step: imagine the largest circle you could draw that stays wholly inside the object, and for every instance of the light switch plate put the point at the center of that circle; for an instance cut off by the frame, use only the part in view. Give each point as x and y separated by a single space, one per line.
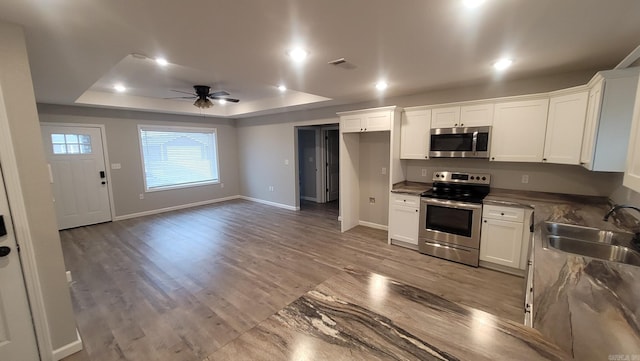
116 166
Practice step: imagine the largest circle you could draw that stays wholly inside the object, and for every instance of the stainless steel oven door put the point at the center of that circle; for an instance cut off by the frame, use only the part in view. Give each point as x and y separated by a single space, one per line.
451 222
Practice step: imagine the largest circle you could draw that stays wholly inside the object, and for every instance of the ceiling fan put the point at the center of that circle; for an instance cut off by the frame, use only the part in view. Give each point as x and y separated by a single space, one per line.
203 94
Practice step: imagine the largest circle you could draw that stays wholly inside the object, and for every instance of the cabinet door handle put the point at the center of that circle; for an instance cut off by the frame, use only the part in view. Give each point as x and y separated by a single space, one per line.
455 125
416 211
462 125
485 221
502 214
544 159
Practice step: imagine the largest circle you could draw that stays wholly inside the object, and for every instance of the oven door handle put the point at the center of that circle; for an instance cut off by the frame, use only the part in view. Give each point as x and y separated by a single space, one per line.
452 204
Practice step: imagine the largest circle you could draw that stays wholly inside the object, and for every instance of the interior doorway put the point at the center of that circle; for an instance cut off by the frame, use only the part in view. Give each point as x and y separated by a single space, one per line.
318 165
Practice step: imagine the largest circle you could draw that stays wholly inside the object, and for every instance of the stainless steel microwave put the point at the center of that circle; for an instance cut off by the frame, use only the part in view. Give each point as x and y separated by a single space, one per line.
469 142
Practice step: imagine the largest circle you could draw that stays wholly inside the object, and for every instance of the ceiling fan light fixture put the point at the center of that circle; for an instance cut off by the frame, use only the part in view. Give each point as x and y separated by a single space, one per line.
203 103
222 101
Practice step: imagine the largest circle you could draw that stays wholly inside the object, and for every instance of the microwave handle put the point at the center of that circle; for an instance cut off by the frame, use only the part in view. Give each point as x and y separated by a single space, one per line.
475 142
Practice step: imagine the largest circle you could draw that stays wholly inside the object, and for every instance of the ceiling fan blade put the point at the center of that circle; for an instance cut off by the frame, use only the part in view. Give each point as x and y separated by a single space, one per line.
218 94
232 100
183 92
191 97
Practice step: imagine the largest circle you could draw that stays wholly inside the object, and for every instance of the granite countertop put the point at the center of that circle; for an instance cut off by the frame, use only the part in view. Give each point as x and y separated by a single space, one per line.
589 307
413 188
358 315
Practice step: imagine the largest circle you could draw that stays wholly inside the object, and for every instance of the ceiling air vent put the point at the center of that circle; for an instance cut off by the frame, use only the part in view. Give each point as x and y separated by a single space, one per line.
342 63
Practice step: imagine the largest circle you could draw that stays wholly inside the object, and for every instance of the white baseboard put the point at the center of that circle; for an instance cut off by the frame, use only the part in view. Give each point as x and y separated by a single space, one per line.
373 225
279 205
174 208
68 349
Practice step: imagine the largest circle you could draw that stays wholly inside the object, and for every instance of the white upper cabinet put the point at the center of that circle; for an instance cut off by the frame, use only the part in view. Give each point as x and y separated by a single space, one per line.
565 125
373 121
415 133
477 115
632 172
609 113
445 117
518 133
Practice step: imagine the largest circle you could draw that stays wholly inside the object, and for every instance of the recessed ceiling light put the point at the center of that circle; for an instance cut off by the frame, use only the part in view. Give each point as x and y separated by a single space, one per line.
120 88
502 64
298 54
222 101
471 4
282 88
162 61
381 85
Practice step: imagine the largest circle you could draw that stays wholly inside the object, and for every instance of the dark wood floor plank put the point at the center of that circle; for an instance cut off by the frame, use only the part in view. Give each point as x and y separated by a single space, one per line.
181 285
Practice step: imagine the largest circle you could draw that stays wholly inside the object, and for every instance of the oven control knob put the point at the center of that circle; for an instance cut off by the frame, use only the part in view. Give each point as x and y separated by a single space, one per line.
471 177
437 175
484 178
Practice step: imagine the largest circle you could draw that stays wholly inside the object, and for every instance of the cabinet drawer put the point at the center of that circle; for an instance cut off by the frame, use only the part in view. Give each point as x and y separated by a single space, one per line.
504 213
405 200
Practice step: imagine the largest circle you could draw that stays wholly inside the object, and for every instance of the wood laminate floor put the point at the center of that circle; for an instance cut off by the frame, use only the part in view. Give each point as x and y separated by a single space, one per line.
181 285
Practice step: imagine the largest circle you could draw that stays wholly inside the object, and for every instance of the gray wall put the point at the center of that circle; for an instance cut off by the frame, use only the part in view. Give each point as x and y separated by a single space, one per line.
267 155
307 161
542 177
17 85
374 155
123 147
266 141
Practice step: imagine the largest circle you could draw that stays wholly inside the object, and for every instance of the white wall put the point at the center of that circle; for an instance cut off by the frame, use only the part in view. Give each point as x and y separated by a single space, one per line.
123 147
36 197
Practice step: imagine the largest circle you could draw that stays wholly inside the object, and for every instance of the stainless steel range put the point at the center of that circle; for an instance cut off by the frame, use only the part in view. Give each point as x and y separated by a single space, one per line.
450 216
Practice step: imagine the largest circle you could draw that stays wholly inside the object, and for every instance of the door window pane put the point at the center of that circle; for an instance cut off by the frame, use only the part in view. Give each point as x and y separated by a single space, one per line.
71 144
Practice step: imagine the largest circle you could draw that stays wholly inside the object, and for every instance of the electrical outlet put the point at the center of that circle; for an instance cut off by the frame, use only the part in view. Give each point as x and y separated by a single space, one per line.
221 185
286 162
525 178
372 200
384 171
424 172
141 196
270 188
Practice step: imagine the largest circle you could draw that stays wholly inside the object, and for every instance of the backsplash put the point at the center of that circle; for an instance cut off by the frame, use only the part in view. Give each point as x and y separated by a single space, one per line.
555 178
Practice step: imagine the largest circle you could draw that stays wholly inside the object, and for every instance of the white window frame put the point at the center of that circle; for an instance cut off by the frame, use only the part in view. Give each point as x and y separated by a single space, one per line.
167 128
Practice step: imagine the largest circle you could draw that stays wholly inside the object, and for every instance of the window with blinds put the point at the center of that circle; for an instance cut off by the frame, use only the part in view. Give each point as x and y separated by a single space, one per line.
178 157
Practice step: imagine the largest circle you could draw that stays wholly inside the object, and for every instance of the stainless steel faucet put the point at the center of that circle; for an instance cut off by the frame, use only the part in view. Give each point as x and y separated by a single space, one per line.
615 208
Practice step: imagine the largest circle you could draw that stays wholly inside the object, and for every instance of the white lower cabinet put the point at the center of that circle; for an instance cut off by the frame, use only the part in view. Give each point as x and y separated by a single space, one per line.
404 219
501 237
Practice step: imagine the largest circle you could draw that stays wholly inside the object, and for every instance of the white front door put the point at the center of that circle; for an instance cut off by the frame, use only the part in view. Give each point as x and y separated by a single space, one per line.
17 338
78 171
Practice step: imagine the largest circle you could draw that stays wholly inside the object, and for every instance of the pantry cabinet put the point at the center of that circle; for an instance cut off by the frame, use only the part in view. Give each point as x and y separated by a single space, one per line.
404 218
373 121
632 173
415 133
518 133
565 125
610 107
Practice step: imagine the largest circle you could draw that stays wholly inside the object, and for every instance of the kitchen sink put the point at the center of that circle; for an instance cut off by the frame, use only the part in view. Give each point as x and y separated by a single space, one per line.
591 242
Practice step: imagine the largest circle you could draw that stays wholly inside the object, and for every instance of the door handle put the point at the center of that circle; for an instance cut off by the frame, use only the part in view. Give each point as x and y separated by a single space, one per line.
3 228
4 251
102 174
